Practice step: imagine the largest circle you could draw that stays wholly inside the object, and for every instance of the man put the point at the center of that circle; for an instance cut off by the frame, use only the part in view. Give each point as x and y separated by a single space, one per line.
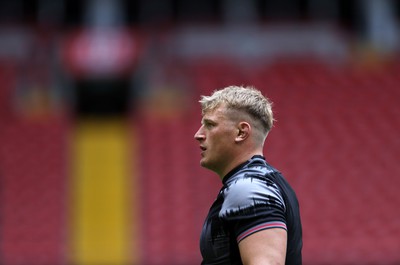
255 219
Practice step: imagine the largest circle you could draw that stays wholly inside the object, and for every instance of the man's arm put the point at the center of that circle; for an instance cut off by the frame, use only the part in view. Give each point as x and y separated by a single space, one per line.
266 247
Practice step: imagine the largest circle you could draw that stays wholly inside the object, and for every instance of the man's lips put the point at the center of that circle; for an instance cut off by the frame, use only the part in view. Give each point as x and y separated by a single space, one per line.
203 149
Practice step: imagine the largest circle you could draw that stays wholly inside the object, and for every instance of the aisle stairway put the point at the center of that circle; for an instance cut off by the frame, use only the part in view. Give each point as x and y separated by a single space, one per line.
103 216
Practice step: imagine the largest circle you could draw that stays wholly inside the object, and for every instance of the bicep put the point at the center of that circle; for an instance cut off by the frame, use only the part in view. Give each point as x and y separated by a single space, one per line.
264 247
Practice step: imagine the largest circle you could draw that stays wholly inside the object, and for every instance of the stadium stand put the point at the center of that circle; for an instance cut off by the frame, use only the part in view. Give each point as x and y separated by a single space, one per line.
336 136
335 139
33 157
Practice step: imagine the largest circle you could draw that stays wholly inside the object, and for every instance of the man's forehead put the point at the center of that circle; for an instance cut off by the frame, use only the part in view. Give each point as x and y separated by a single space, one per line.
219 110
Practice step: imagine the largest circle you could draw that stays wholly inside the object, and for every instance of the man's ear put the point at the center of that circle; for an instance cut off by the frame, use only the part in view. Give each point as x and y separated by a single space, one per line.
244 130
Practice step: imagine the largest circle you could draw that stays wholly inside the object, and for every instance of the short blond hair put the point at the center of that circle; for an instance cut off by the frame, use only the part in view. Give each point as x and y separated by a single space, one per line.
247 99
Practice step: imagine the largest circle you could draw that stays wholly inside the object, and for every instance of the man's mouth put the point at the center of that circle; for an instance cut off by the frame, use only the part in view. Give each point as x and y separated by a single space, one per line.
203 149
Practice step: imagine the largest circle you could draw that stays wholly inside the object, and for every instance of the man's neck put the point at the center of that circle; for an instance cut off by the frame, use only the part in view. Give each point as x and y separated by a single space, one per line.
238 161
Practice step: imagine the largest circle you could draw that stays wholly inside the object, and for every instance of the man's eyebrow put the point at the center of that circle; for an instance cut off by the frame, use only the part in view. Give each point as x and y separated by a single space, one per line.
206 120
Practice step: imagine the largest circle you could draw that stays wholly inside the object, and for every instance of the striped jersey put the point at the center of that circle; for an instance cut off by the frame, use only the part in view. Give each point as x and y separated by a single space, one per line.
254 196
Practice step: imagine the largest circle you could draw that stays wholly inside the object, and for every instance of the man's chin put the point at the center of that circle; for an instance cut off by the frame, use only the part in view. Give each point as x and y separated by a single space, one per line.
204 163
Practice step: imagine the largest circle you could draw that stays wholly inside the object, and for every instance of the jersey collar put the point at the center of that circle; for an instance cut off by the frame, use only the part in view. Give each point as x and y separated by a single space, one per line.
239 167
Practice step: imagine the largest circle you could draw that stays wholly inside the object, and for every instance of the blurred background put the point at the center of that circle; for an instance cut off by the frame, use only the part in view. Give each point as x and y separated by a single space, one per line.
99 105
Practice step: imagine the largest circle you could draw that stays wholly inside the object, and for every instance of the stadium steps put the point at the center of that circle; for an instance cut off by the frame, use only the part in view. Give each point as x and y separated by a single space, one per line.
103 217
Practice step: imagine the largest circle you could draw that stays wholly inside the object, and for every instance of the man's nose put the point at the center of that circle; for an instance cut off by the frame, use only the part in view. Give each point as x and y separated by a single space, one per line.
199 135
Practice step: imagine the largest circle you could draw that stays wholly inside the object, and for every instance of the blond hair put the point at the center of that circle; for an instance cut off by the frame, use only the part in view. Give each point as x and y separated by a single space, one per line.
246 99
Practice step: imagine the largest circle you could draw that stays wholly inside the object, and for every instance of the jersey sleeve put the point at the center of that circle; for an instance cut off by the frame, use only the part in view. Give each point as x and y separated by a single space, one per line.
252 204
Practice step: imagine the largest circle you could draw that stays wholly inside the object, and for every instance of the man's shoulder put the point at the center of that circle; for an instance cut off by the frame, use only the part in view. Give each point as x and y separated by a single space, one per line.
248 188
